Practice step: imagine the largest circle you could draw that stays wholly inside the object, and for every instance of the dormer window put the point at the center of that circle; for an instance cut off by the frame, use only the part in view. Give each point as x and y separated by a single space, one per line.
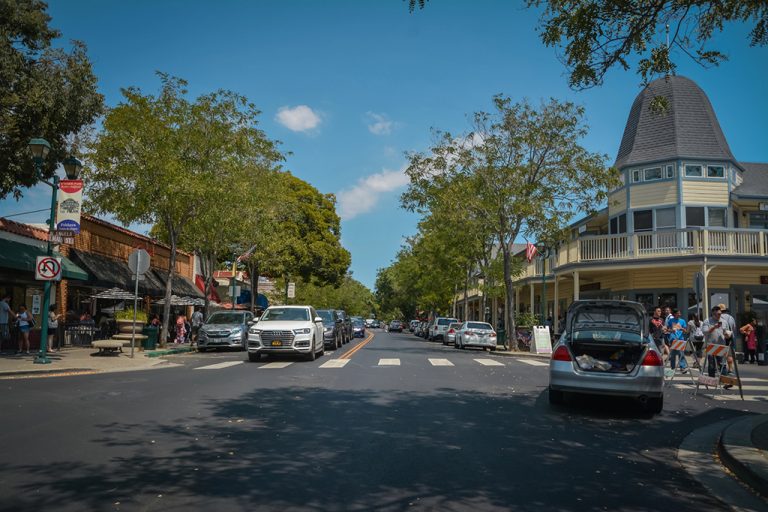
715 171
694 171
654 173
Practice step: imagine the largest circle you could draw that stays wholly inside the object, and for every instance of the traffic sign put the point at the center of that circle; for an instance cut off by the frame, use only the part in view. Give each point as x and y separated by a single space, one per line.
138 261
48 268
291 290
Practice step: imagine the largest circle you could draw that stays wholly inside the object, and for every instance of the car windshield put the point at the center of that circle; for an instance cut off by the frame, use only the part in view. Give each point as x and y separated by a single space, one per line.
479 325
225 318
326 315
445 321
287 314
454 326
607 335
357 323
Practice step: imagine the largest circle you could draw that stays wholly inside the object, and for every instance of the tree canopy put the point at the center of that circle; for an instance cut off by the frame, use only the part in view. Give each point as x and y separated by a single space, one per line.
44 92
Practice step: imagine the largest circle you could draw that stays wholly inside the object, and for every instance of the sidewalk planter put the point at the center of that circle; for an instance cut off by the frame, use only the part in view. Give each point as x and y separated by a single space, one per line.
126 326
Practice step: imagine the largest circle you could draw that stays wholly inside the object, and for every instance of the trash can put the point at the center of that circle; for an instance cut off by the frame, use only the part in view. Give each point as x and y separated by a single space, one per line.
151 333
501 337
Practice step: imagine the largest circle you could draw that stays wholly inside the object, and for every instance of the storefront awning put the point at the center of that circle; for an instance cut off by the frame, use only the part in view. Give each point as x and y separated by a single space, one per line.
20 256
108 273
180 286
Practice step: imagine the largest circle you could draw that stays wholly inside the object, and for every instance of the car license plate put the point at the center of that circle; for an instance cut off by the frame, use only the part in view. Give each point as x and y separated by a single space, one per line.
277 343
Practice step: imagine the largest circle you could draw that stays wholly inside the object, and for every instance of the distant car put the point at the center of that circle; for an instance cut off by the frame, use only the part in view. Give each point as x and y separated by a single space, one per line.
224 329
607 349
450 335
476 334
358 329
346 325
287 330
369 322
423 330
412 325
376 324
438 327
395 326
332 328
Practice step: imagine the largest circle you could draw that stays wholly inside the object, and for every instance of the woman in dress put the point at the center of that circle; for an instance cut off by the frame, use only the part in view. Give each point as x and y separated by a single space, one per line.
181 331
749 331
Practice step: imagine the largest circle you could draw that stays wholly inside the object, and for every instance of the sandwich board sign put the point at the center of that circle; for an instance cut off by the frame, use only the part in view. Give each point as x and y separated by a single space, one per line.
542 341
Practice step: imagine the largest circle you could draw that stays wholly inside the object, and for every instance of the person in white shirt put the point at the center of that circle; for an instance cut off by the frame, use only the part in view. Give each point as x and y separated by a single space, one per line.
197 322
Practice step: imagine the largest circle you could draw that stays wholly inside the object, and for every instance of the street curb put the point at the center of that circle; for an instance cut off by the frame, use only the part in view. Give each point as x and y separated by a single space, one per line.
741 456
696 455
167 352
26 373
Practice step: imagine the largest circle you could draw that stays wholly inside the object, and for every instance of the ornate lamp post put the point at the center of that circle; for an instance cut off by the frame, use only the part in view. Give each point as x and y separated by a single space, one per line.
72 167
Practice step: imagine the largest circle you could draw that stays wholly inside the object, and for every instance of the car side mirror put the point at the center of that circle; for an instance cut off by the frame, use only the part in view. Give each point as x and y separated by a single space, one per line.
251 322
318 319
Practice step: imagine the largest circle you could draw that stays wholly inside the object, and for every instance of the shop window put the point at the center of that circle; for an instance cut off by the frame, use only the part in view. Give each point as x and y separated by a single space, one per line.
643 220
694 216
715 171
668 299
654 173
716 217
665 218
758 220
646 299
670 171
694 171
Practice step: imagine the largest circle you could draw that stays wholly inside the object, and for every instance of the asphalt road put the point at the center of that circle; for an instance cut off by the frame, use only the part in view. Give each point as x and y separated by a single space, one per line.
451 434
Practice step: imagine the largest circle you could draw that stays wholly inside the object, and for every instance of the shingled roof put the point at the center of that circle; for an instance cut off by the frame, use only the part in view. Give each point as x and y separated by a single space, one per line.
755 182
688 129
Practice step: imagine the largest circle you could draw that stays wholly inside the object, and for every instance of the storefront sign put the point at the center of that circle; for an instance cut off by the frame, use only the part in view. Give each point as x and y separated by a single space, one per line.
70 201
36 304
61 237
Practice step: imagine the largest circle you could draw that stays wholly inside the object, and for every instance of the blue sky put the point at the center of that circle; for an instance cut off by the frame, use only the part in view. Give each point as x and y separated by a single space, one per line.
349 86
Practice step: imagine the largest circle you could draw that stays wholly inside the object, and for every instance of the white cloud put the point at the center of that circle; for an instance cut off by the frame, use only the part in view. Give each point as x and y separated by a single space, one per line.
300 118
365 194
380 124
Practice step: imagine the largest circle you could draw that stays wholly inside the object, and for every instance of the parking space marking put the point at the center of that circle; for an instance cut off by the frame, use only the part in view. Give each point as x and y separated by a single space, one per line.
270 366
489 362
335 363
440 362
219 366
532 362
389 362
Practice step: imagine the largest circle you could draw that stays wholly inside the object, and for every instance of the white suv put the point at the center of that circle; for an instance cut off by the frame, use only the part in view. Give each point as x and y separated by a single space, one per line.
439 327
287 330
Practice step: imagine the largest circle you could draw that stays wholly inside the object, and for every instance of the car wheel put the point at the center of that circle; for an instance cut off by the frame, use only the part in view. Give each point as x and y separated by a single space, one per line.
202 349
311 356
254 358
556 397
655 405
322 351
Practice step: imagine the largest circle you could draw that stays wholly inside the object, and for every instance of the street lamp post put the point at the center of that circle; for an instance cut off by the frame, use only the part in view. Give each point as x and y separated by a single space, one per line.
72 167
544 253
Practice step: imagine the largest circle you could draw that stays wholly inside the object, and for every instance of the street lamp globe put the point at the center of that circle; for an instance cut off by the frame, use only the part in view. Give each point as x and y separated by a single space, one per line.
72 168
39 148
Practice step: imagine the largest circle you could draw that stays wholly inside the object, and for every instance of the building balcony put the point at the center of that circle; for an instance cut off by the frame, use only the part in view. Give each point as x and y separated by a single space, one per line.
656 244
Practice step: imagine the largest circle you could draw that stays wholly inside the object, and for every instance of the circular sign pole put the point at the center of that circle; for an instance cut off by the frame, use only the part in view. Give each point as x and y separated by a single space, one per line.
42 357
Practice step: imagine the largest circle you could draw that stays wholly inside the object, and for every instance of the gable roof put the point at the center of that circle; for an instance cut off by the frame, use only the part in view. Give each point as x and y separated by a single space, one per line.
688 129
755 180
26 230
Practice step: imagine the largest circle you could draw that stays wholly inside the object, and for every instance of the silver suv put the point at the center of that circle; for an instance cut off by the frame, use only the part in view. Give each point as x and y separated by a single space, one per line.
439 327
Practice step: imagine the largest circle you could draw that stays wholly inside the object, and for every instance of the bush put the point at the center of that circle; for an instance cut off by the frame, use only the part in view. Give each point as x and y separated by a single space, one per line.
127 314
526 320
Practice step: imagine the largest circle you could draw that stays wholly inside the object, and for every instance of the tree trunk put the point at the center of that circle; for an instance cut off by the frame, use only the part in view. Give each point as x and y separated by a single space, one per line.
509 309
455 300
209 263
466 299
168 289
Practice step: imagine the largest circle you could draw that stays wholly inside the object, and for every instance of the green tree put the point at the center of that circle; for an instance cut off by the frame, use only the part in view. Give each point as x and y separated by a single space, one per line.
350 295
160 160
44 92
527 174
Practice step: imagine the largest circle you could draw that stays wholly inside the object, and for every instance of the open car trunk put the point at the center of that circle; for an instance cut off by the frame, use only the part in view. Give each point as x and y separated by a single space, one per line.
607 336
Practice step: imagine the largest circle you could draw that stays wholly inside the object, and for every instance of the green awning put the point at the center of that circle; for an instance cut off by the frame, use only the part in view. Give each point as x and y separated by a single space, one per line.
19 256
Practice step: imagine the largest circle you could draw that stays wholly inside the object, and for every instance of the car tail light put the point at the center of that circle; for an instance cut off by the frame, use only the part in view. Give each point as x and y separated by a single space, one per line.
652 359
561 354
451 331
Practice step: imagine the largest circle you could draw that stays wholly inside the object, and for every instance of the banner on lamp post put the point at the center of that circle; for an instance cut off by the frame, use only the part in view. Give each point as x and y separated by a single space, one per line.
70 202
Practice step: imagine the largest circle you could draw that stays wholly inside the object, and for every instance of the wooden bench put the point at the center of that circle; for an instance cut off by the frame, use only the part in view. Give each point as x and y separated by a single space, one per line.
108 346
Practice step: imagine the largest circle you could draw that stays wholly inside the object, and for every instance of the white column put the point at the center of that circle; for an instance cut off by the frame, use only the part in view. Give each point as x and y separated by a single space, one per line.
575 285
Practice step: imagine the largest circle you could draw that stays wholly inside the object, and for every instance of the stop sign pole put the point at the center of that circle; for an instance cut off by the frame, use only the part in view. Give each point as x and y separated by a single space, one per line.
138 262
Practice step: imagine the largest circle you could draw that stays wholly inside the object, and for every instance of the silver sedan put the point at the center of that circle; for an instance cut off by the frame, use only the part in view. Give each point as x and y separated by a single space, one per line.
450 334
607 350
476 334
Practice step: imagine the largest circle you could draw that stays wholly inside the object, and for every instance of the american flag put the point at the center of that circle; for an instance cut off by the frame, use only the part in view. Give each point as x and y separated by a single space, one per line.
246 254
530 251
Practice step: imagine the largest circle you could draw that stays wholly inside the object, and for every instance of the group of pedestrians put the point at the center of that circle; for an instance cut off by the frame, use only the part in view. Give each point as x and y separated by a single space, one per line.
187 328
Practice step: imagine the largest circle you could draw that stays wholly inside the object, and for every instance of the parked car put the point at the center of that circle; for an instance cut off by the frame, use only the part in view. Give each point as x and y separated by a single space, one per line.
450 335
376 324
424 330
358 329
369 322
395 326
476 334
332 328
346 327
607 350
224 329
438 327
287 330
412 325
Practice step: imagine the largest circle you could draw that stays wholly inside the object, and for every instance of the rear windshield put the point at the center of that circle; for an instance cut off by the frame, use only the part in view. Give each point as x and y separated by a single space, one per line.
607 336
479 325
594 318
454 326
289 314
445 321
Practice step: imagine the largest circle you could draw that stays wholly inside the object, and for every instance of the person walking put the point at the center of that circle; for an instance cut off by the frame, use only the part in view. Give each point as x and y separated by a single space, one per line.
53 326
657 330
749 331
696 335
25 321
6 315
677 330
181 332
197 322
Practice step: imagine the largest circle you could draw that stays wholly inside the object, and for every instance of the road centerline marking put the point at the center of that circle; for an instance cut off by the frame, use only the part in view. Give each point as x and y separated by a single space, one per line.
440 362
219 366
489 362
363 343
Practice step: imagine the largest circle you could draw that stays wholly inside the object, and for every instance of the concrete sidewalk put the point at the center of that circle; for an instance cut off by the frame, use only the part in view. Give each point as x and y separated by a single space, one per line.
82 360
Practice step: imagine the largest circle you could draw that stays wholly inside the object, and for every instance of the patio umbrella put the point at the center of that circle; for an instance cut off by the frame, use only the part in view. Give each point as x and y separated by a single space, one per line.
115 294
